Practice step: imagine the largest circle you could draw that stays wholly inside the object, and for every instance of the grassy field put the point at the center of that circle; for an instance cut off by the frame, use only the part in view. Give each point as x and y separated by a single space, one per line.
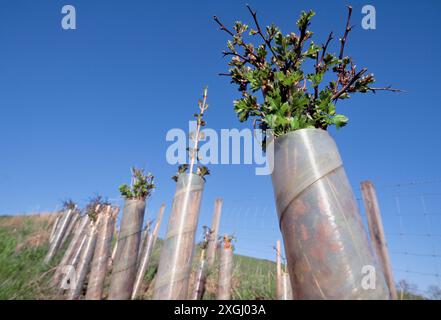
24 243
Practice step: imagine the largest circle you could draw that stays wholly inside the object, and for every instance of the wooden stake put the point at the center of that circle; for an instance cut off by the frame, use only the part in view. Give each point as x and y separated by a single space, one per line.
147 253
279 284
377 235
200 278
211 250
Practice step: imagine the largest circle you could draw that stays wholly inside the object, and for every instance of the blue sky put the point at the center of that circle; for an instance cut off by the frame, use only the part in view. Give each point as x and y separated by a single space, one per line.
79 107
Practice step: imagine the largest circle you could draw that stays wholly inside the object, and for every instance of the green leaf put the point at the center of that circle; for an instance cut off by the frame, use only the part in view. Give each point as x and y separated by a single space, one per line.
340 120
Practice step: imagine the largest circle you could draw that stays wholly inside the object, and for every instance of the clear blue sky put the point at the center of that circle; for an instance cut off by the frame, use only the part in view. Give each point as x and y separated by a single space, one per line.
78 108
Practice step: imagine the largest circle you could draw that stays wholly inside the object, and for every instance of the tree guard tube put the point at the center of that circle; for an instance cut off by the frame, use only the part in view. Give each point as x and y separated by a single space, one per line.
286 290
84 262
177 253
56 243
95 286
225 274
74 244
325 242
71 227
126 257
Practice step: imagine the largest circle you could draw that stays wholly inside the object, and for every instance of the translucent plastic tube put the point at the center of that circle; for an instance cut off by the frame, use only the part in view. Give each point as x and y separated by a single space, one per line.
286 287
106 226
177 252
84 263
126 257
74 244
325 242
56 243
144 260
225 274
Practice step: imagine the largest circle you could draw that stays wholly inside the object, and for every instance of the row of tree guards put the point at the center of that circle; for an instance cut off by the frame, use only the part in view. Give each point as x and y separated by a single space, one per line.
327 249
87 261
89 258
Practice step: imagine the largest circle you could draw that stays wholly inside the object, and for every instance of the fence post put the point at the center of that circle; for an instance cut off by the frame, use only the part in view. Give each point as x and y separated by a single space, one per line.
147 252
211 250
279 272
376 232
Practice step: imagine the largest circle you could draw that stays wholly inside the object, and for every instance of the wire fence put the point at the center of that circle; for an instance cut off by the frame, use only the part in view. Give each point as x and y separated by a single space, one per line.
411 214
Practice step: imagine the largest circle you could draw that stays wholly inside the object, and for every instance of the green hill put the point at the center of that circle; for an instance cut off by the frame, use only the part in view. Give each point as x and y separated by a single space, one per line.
24 243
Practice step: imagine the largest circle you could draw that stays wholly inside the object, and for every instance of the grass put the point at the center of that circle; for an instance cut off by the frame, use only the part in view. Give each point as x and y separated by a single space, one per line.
23 245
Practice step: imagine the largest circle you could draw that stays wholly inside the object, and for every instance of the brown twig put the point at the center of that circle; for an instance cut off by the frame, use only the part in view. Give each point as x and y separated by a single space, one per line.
350 83
388 88
347 30
325 47
230 53
222 27
259 30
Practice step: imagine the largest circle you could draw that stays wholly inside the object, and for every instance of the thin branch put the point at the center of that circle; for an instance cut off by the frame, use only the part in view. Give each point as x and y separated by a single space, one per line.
259 30
347 30
230 53
202 107
350 83
388 88
325 47
222 27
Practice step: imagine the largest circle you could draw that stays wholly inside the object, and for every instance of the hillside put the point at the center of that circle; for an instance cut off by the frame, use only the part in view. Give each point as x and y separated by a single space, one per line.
23 245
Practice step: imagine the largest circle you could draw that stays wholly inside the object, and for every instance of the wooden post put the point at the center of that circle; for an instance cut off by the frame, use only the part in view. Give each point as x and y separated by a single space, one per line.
211 250
201 272
200 278
376 232
144 261
144 238
279 279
